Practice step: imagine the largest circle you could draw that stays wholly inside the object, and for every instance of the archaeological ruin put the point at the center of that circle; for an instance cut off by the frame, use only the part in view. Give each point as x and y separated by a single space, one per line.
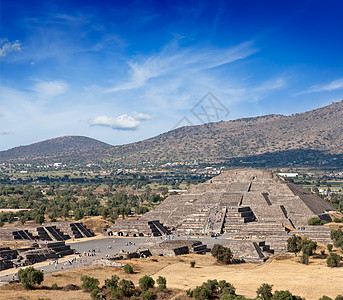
257 209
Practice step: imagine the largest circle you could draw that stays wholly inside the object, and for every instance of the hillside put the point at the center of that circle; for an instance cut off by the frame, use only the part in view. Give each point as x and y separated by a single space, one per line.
316 135
66 148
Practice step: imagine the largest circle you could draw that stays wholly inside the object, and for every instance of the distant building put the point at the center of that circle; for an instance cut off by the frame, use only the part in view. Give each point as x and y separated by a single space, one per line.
289 175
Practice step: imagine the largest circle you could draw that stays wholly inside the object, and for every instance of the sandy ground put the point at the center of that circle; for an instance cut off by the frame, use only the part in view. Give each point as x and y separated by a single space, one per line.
310 281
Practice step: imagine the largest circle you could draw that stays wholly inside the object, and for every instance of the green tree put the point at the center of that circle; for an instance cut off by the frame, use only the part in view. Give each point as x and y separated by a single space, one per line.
330 246
162 283
126 288
282 295
89 283
333 260
325 298
128 269
28 277
314 221
97 294
147 295
39 219
264 292
146 282
201 293
294 244
222 254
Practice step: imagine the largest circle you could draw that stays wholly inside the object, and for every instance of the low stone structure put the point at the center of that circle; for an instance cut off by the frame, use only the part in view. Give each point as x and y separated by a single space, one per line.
137 228
53 231
36 252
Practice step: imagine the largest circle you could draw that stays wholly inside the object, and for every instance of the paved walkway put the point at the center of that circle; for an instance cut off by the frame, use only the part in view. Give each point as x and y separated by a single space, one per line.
96 248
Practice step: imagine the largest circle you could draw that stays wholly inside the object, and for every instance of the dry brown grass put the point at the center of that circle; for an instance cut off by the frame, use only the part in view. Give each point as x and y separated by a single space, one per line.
283 272
96 224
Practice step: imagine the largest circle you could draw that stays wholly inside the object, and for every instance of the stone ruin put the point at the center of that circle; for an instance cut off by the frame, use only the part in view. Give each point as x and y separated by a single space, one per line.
250 205
53 231
36 252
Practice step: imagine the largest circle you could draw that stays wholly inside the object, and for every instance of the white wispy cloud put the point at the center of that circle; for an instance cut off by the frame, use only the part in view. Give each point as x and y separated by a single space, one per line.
123 122
47 89
174 62
7 47
331 86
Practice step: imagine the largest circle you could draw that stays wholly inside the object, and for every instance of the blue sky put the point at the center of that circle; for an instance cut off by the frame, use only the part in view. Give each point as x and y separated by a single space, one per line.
123 71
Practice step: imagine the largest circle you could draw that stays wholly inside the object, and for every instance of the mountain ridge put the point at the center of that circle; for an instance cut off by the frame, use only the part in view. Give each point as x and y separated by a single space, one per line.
320 129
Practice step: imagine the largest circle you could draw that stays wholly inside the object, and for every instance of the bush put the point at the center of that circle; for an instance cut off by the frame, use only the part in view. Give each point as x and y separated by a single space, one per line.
146 282
282 295
333 260
128 269
339 297
325 298
201 293
314 221
308 246
89 283
97 294
322 252
226 288
229 297
304 259
294 244
162 283
112 283
54 287
192 263
222 254
336 220
148 295
265 291
28 277
126 288
330 246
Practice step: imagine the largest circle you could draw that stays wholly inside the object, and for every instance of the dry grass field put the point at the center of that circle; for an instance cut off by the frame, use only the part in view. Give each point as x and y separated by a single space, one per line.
283 272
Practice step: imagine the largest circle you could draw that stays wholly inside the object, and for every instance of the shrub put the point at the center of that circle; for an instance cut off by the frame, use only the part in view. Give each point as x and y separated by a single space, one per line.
126 288
333 260
322 252
226 288
304 259
97 294
192 263
146 282
339 297
201 293
308 246
112 283
147 295
89 283
314 221
282 295
336 220
222 254
325 298
133 298
128 269
162 283
229 297
265 291
330 246
294 244
30 276
54 287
